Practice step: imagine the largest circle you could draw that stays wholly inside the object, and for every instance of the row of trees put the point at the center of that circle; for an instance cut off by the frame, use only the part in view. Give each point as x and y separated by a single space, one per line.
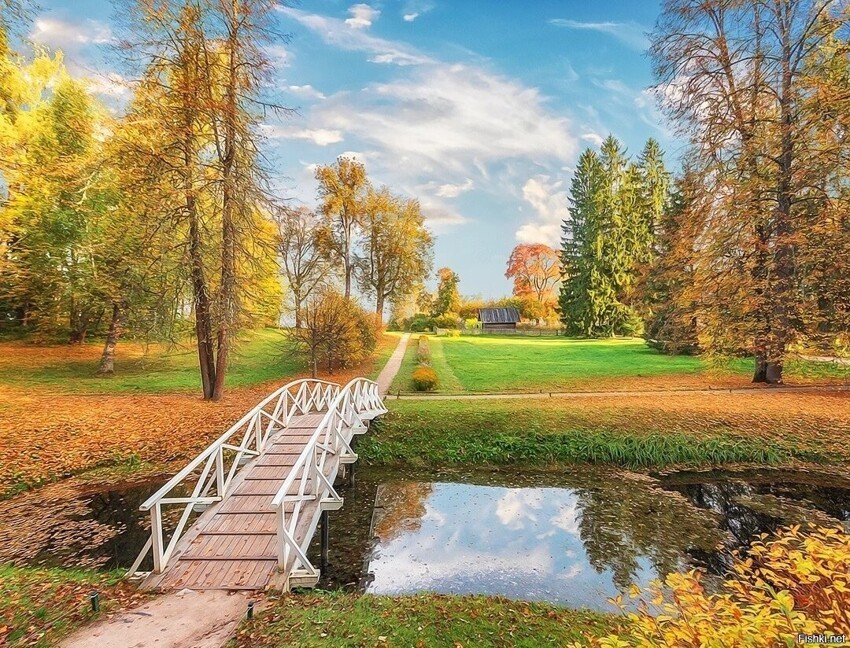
362 235
755 244
155 215
615 207
160 222
745 251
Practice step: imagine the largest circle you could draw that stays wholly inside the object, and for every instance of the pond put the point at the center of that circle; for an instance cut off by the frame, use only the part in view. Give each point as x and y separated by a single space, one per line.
574 538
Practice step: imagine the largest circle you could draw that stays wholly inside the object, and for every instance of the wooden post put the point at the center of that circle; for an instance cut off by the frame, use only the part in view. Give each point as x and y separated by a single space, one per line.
219 471
282 547
325 540
156 537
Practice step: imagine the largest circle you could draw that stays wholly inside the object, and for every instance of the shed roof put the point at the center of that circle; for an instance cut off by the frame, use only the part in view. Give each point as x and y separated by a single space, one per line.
498 315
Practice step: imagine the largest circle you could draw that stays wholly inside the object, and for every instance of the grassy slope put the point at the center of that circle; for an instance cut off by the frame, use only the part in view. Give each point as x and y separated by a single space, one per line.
337 619
259 356
762 428
530 364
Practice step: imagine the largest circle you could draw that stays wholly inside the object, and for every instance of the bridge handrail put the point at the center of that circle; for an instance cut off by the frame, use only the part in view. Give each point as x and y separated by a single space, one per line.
190 467
299 396
356 398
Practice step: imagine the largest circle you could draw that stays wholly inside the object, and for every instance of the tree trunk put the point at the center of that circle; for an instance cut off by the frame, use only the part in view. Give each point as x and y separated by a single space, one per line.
297 299
200 295
760 374
379 310
227 295
347 264
107 358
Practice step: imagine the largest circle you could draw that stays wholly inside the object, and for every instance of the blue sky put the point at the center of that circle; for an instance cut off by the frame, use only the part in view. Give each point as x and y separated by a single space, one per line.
478 108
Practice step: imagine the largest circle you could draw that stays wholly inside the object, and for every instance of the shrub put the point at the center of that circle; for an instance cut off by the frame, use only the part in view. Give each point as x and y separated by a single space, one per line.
796 583
419 323
423 352
424 379
447 321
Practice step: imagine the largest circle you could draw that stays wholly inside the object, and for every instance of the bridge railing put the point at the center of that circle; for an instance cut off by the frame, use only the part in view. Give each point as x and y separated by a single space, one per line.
312 477
217 466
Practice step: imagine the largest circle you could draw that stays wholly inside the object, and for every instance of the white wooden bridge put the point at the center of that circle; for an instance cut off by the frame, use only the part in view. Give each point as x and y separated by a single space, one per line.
261 489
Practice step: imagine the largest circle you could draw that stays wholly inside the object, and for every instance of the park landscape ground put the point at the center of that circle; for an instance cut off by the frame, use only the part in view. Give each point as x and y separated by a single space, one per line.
59 425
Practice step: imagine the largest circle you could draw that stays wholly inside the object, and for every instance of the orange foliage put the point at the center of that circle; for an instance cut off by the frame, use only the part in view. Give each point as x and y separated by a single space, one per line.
46 435
535 270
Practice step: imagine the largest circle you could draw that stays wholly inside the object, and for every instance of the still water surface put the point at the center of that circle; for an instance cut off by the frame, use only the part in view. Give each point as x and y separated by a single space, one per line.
574 538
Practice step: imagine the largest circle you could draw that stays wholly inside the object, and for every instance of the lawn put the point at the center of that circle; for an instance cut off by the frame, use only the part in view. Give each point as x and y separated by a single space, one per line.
259 356
341 619
494 363
758 428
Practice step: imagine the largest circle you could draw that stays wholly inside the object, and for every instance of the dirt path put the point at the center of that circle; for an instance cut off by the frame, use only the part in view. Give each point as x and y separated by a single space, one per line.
184 619
622 393
388 373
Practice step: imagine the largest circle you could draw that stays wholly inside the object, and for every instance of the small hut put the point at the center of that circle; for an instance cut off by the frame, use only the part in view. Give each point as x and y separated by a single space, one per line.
498 319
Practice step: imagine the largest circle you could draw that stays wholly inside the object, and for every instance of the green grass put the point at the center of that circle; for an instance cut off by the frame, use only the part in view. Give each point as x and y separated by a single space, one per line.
383 353
40 605
259 356
546 431
494 363
498 363
402 382
341 619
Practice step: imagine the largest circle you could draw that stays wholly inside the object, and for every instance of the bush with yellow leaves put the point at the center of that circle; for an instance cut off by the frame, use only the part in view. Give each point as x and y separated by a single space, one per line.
795 583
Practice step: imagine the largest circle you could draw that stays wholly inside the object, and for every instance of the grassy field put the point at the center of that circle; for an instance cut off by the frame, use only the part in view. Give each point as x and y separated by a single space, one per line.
493 363
759 428
259 356
338 619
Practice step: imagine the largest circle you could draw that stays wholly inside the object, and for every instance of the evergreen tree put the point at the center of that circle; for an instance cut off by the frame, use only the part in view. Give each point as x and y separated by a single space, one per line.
609 237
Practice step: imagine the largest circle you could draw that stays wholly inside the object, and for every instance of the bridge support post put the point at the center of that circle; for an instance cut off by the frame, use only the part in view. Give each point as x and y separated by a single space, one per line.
325 540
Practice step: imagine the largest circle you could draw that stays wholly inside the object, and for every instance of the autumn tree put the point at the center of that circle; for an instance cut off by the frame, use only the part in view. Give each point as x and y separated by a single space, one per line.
667 290
743 82
396 249
343 187
535 269
304 266
335 332
448 295
206 66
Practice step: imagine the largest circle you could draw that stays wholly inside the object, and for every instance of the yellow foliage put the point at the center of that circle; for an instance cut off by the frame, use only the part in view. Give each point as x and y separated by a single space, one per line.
795 583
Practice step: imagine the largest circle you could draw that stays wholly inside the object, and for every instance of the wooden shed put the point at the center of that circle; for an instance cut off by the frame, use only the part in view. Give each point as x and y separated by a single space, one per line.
498 319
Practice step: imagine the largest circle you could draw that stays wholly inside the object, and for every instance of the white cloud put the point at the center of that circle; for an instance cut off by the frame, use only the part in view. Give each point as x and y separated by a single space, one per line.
594 138
362 16
629 33
550 203
59 34
411 16
451 118
319 136
339 34
438 217
110 84
305 91
454 190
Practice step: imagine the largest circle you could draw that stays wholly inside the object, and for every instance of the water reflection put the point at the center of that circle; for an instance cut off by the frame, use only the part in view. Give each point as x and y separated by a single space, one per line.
579 542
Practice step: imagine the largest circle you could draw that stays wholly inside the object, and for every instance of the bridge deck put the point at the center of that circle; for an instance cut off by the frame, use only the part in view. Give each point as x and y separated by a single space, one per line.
233 545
